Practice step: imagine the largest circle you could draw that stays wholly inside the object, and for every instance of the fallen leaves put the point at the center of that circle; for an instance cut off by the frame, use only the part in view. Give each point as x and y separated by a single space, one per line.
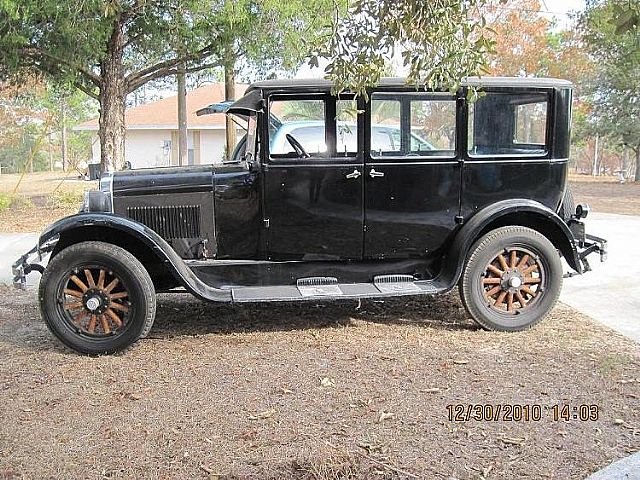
263 415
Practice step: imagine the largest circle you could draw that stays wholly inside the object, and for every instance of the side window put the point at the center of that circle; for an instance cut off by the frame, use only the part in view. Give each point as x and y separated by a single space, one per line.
433 127
508 124
385 127
413 125
302 119
346 128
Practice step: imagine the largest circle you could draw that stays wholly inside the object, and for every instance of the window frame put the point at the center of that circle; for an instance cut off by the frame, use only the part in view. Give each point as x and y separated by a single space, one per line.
406 98
548 93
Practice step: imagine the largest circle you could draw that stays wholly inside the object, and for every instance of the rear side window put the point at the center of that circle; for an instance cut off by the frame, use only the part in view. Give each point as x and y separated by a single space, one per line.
509 124
413 125
304 120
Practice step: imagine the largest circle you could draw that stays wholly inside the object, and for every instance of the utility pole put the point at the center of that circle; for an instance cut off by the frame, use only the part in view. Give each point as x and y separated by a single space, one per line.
63 121
230 94
594 170
182 117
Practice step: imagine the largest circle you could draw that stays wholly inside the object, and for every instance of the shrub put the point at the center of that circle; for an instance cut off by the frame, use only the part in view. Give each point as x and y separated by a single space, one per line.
66 199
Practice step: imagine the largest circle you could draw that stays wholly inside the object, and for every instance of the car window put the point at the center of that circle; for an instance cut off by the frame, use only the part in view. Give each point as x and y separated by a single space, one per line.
410 125
302 119
503 124
346 128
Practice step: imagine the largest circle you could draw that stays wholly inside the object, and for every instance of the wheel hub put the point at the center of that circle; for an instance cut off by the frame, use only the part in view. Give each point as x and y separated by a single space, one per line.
96 301
512 280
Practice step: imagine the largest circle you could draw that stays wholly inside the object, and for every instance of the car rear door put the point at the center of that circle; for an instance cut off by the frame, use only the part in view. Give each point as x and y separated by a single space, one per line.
412 174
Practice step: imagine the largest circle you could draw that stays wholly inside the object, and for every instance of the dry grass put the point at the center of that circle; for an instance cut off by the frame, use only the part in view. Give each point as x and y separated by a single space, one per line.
308 391
41 199
606 194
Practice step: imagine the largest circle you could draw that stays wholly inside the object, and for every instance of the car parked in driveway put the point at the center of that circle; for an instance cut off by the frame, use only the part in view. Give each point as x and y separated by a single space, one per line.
408 192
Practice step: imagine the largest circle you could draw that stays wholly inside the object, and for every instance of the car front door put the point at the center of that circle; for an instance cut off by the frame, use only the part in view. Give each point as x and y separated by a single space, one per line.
313 180
412 174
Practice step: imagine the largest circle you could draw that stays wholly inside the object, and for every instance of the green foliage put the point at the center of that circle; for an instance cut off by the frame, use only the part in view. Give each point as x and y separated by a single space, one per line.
66 199
5 201
440 42
613 39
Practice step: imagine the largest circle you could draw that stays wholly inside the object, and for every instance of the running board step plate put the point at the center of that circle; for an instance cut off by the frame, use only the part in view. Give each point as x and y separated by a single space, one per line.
319 287
396 284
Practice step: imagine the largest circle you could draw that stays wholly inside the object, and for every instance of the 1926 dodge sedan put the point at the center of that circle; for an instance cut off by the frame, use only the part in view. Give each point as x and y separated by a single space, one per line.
411 193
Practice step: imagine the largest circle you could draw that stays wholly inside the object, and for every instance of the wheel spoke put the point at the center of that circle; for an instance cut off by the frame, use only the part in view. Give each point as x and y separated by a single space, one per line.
80 316
523 261
119 295
92 324
114 317
500 299
493 291
532 268
495 270
105 324
513 259
101 279
510 302
73 293
528 291
532 280
118 306
491 281
79 283
72 305
521 300
503 262
111 286
92 283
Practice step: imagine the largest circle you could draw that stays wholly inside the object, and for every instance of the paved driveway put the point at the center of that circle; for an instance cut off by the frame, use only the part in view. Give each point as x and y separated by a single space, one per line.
12 245
610 293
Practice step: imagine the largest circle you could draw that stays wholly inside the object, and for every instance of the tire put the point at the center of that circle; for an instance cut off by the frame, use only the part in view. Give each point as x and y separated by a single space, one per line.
532 263
100 312
568 205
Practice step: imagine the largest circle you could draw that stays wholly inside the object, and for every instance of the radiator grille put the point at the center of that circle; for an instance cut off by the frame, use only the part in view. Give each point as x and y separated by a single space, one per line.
169 222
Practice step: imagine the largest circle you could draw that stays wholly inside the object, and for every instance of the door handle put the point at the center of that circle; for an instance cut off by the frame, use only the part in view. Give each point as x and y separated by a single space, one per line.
374 174
354 174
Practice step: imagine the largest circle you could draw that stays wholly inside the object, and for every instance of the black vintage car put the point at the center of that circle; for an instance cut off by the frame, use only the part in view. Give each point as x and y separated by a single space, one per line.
405 192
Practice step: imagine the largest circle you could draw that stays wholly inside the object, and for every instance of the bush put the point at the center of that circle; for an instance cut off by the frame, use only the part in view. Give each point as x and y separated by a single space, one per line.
66 199
6 201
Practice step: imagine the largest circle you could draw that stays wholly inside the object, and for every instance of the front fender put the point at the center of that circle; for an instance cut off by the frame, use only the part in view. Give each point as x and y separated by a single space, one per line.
523 212
75 227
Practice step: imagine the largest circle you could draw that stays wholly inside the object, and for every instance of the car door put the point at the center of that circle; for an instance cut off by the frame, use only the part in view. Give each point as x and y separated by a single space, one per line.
313 200
412 174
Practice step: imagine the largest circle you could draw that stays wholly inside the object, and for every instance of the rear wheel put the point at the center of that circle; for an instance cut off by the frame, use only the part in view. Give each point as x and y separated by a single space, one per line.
512 279
97 298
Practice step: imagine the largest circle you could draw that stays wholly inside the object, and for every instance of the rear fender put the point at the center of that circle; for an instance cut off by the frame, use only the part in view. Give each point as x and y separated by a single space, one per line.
523 212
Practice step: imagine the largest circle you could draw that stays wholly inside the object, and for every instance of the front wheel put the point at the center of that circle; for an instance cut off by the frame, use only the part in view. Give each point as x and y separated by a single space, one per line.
97 298
512 279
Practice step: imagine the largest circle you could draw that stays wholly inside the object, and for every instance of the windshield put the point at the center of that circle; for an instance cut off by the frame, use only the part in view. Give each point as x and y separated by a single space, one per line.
245 149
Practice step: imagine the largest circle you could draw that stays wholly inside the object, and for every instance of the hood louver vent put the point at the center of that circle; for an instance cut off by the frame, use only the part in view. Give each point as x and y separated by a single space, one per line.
169 222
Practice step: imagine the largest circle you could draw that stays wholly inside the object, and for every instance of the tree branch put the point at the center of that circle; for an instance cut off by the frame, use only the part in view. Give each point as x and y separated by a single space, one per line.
137 79
167 72
34 52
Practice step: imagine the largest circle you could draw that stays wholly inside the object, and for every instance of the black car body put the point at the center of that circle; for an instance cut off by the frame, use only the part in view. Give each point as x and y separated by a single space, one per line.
396 200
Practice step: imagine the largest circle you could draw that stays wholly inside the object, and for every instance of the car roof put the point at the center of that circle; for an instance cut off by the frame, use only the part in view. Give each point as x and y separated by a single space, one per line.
402 82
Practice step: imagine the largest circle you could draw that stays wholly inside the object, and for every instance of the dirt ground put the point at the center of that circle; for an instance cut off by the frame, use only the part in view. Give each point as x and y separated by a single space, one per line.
41 199
314 391
606 194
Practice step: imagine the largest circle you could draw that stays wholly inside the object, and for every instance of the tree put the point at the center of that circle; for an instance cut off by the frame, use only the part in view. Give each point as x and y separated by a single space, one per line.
612 32
440 42
107 49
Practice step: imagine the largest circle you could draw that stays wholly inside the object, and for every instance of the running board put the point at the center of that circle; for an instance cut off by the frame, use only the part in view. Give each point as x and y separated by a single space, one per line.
327 288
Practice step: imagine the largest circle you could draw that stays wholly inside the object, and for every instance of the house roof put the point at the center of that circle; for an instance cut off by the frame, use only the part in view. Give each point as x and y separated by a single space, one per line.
163 114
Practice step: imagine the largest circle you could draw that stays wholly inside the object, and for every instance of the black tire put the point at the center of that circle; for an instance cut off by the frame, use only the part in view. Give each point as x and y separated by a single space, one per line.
83 329
568 205
532 262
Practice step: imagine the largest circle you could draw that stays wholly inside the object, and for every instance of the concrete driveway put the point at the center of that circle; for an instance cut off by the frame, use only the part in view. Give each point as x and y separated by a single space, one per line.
609 294
12 245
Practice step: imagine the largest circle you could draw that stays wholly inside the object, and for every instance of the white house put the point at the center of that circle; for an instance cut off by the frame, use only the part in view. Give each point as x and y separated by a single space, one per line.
152 130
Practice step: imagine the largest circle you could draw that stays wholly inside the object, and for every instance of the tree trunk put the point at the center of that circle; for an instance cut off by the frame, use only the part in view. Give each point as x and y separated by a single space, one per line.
63 136
230 94
112 103
182 118
637 175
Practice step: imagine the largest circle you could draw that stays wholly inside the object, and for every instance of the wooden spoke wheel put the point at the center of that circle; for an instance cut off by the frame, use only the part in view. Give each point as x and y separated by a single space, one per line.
96 301
97 298
512 279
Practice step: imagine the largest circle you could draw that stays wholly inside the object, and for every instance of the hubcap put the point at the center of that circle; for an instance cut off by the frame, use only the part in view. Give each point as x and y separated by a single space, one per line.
95 301
513 280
